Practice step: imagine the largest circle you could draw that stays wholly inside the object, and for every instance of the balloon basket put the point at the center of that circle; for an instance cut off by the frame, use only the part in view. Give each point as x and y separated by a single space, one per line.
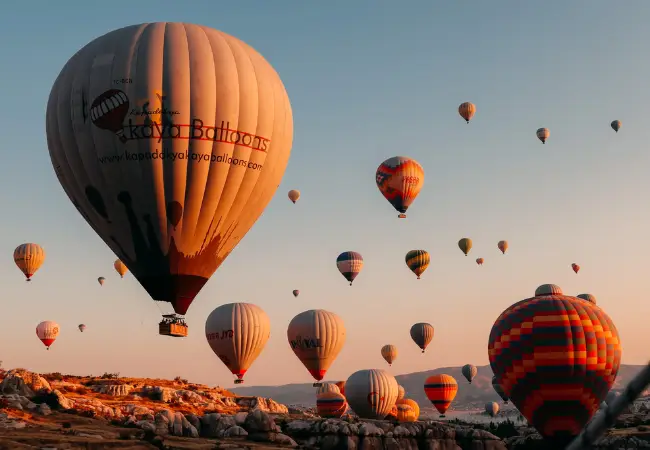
402 216
317 384
166 328
238 381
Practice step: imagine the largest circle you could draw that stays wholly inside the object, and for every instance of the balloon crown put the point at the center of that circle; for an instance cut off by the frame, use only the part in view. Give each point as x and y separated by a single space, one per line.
548 289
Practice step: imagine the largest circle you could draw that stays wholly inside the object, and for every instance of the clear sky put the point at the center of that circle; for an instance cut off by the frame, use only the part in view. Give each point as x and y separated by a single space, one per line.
367 80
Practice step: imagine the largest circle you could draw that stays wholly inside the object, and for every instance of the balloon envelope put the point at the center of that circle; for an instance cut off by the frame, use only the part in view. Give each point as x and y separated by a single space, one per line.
422 334
467 111
294 195
101 281
400 180
350 265
503 246
441 390
170 139
237 334
418 261
331 405
412 403
82 327
543 134
371 393
469 371
316 337
492 408
572 354
29 258
120 268
588 297
616 125
328 387
389 353
401 392
47 332
296 292
465 245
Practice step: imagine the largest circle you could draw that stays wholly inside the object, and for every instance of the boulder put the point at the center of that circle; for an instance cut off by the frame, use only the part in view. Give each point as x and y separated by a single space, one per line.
23 382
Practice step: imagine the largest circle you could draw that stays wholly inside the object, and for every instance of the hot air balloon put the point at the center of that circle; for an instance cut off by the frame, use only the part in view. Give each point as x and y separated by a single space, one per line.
331 405
328 387
479 261
400 180
492 408
418 261
47 332
572 354
237 334
467 111
371 393
469 371
575 267
294 195
171 164
503 246
465 244
392 414
406 413
412 403
101 281
588 297
389 353
29 258
341 385
543 134
350 265
441 391
296 292
616 125
316 337
422 334
120 268
401 392
82 327
499 390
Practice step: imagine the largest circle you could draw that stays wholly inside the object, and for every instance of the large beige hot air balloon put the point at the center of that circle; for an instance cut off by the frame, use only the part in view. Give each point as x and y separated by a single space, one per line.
294 195
389 353
371 393
316 337
29 258
120 268
170 139
328 387
47 332
237 334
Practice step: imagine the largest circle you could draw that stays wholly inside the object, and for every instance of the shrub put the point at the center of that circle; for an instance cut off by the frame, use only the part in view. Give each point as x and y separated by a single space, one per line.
110 376
504 429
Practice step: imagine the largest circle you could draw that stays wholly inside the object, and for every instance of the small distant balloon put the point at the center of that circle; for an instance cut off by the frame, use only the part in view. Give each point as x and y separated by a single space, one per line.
350 265
616 125
465 244
29 258
503 246
389 353
575 267
418 261
499 390
469 371
82 327
492 408
467 111
101 280
294 195
47 332
296 292
479 261
401 392
543 134
120 268
588 297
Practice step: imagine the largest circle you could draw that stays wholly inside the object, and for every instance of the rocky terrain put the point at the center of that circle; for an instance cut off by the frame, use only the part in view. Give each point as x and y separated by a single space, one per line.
52 411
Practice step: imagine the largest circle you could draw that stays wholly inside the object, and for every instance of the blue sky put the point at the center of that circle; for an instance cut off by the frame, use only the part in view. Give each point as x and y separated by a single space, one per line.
367 80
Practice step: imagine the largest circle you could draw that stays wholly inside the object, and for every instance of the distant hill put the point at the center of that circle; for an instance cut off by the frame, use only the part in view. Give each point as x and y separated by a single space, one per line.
479 391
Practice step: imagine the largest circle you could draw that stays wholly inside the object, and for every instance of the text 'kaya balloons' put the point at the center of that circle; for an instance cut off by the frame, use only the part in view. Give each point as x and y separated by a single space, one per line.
316 337
400 180
170 139
47 332
556 358
371 393
237 334
29 258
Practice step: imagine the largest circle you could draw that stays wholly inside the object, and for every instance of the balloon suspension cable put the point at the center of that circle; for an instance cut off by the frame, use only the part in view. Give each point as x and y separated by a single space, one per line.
605 418
350 283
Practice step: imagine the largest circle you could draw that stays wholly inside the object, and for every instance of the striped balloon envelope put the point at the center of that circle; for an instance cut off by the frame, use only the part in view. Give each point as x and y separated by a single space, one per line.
400 180
406 413
410 402
350 265
556 357
441 391
331 404
418 261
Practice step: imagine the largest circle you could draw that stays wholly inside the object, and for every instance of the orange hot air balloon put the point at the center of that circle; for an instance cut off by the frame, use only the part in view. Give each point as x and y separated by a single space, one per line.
294 195
575 267
467 111
503 246
29 258
170 139
412 403
400 180
479 261
341 385
570 353
120 268
441 391
331 405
